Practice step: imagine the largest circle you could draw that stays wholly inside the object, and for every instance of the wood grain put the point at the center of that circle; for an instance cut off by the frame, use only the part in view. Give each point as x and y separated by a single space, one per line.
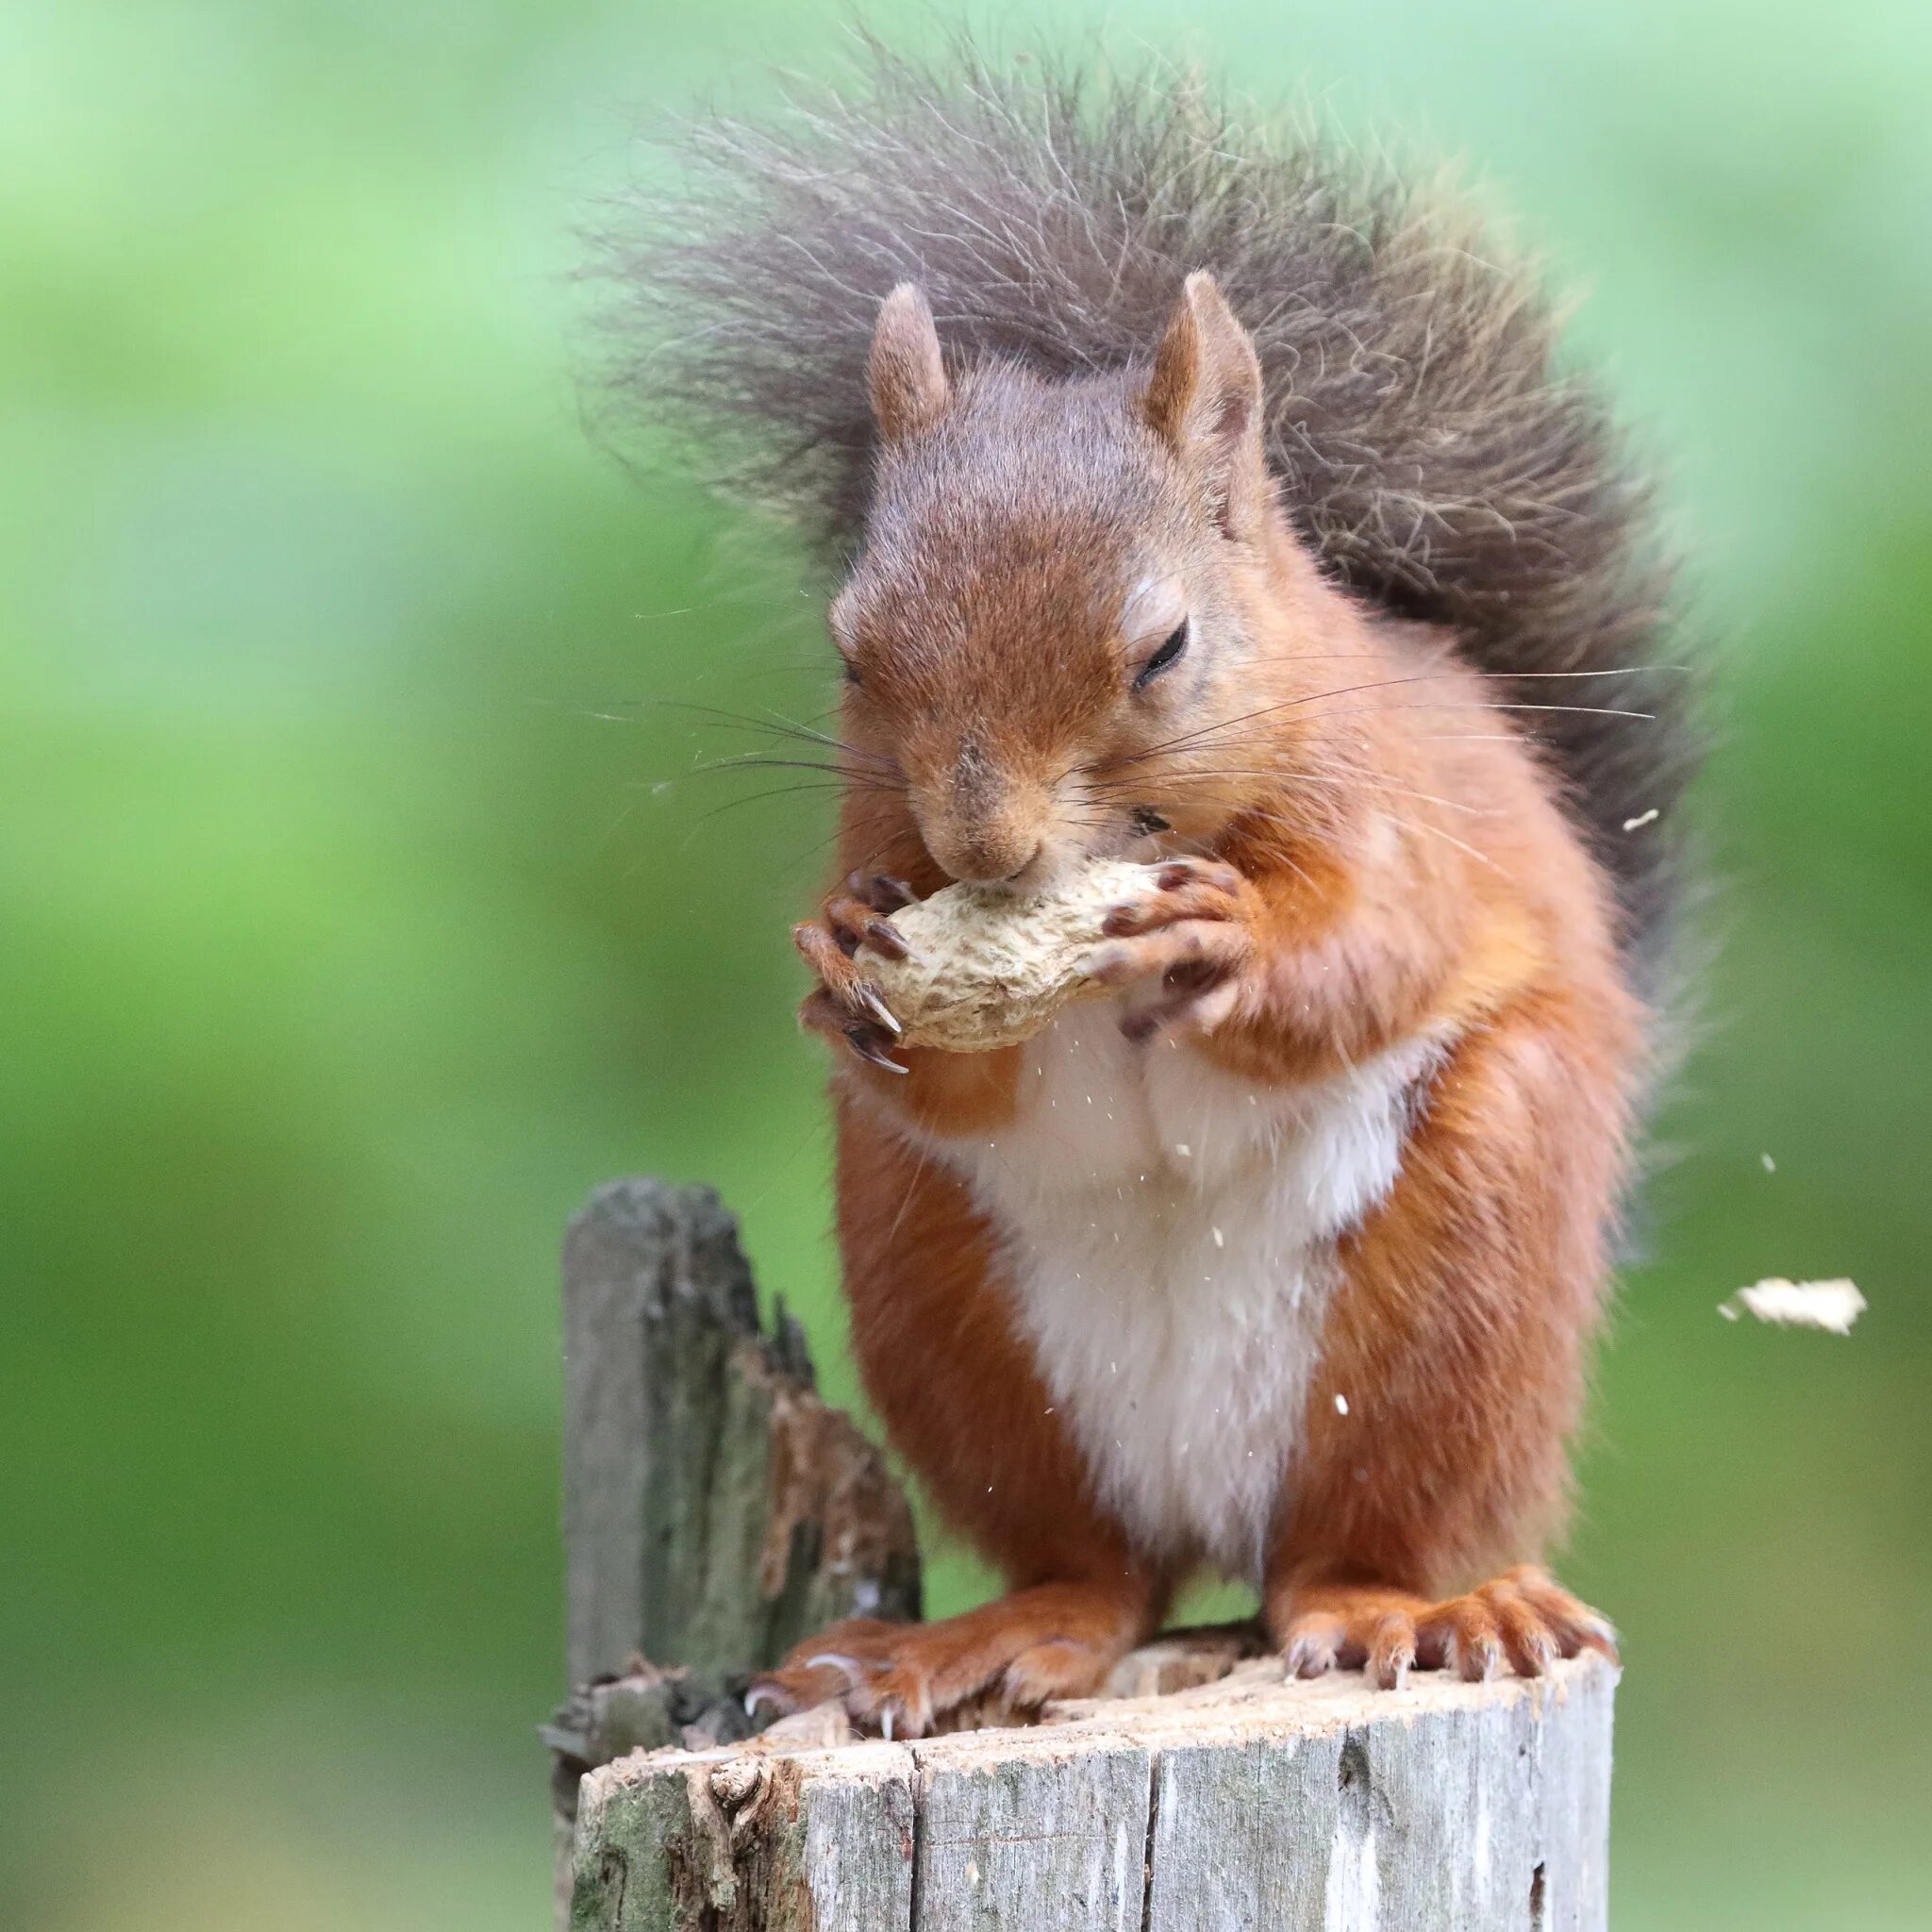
1250 1805
715 1511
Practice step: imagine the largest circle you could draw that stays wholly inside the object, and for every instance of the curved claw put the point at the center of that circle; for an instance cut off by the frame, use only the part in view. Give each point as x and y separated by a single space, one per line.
847 1667
860 1040
881 891
883 937
877 1009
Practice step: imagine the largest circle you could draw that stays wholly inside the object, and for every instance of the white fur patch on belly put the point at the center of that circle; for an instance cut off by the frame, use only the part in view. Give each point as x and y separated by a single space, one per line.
1169 1237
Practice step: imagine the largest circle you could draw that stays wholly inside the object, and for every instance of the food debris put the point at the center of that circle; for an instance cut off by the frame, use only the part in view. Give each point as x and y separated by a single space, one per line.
816 1728
1832 1306
1642 819
1342 1405
1770 1165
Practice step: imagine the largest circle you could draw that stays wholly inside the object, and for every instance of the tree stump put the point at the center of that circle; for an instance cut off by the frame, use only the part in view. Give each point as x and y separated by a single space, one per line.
715 1511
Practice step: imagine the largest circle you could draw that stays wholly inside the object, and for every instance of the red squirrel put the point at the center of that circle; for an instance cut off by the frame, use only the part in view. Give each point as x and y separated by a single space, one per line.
1212 499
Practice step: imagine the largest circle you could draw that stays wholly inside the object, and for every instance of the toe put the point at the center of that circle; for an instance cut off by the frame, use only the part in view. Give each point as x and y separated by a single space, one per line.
1314 1646
897 1702
798 1686
1571 1623
834 1666
881 891
1180 874
1471 1642
1391 1650
1058 1668
1531 1646
885 939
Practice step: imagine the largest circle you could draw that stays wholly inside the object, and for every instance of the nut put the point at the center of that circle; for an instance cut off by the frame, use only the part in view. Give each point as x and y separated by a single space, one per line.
989 968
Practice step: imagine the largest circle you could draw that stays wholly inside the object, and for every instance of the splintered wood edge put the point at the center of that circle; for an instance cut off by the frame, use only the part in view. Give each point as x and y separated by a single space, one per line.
1253 1701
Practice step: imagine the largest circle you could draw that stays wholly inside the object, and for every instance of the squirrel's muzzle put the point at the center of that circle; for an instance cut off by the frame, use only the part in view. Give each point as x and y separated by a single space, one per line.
984 824
987 858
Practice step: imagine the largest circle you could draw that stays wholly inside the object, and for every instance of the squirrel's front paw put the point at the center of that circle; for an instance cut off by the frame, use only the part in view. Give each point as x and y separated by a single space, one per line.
1182 947
845 1005
1002 1661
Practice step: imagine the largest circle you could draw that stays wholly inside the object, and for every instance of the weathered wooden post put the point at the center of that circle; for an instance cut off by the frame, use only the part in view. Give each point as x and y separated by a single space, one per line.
715 1510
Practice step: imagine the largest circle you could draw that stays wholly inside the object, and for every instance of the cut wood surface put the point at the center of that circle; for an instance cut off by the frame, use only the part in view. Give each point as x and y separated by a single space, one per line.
1251 1804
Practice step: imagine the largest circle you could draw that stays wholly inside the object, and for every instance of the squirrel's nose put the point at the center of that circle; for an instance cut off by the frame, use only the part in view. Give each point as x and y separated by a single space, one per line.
984 821
1026 874
988 861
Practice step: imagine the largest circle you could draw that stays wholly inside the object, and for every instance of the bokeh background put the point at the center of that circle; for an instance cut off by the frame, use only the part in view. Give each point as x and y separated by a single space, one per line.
357 917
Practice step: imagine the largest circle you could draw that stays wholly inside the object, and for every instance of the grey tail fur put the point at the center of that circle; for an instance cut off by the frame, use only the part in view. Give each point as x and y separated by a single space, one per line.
1427 440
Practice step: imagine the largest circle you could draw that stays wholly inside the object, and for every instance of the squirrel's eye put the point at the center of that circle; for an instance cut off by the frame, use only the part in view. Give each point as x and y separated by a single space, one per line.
1168 654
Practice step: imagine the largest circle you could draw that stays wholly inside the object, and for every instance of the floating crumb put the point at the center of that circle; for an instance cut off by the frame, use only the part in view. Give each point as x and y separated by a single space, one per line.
1770 1165
1342 1405
1832 1306
1182 1148
1642 819
1220 1239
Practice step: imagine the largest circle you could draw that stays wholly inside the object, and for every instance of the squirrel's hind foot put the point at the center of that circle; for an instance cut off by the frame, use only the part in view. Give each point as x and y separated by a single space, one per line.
1524 1620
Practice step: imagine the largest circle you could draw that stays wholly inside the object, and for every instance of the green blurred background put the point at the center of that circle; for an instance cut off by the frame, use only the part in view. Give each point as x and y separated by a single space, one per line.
349 937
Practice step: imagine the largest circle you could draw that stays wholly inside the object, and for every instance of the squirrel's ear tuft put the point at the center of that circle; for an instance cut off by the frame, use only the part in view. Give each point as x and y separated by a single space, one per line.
909 391
1203 399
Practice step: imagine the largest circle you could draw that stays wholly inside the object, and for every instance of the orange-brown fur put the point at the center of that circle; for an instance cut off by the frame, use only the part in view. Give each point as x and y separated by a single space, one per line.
1366 853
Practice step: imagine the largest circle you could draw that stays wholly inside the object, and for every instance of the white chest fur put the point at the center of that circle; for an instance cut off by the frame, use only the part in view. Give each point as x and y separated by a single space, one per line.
1169 1236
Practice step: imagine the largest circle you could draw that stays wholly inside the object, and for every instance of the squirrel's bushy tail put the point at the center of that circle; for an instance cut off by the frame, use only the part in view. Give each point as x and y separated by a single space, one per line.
1427 441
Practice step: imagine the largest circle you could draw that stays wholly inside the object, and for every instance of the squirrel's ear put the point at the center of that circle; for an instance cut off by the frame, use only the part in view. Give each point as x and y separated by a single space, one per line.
1205 401
909 391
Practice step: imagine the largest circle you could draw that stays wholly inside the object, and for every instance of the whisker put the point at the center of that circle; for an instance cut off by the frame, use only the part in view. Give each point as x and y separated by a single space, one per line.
1391 683
1396 818
778 725
919 1166
838 783
1129 790
773 724
758 797
752 761
1480 705
818 845
1461 845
